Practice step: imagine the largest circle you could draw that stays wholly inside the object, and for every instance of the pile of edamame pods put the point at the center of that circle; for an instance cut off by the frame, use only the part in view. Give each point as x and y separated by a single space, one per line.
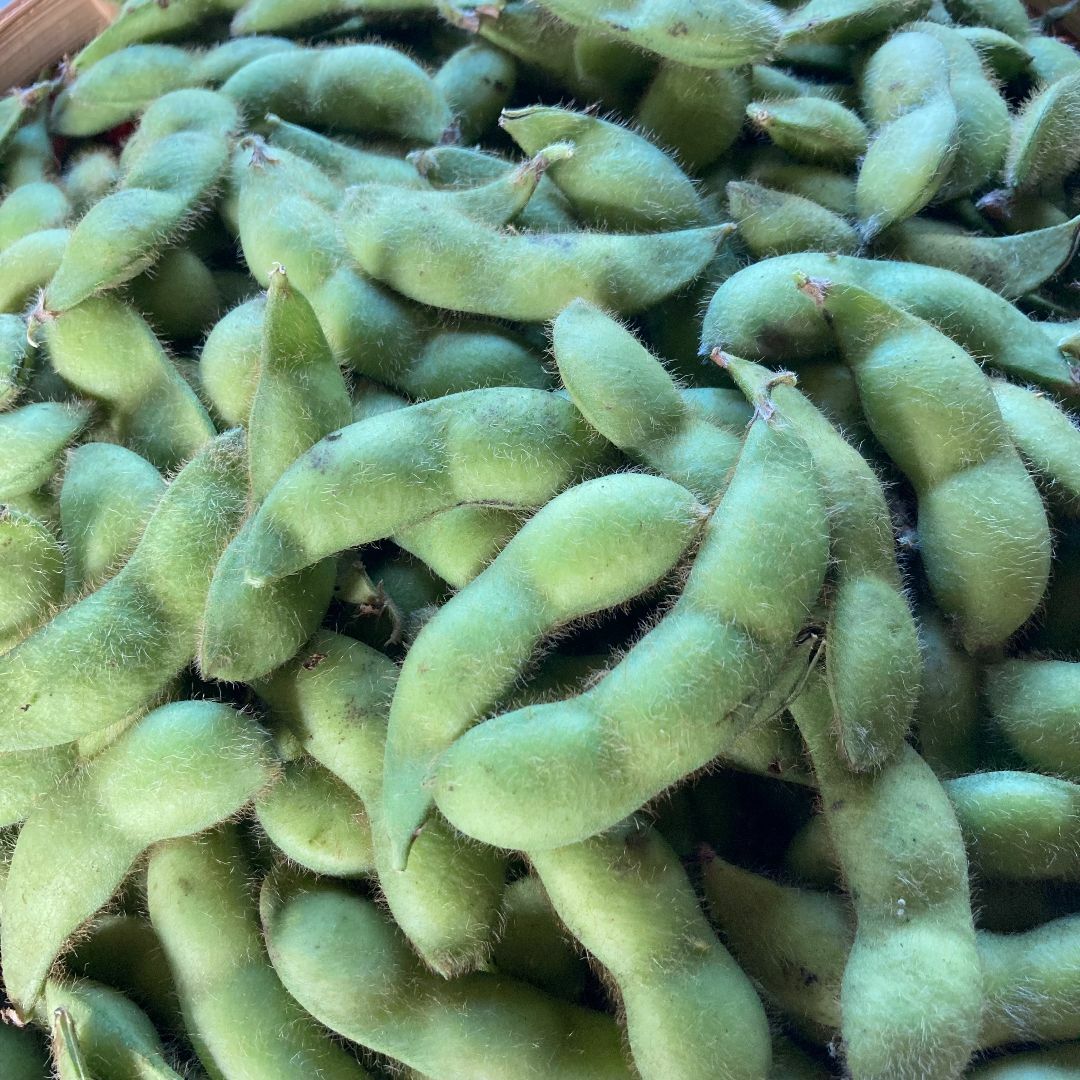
542 540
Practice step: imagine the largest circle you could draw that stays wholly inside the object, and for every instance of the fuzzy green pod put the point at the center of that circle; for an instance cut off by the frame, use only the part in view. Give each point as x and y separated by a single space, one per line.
241 1021
89 176
811 129
31 574
1004 56
34 437
872 661
756 314
695 113
178 295
615 179
457 543
14 353
827 187
727 36
259 16
105 349
218 64
300 396
120 87
342 161
508 446
620 535
115 1036
350 968
549 775
1034 704
149 20
847 22
534 946
457 167
628 396
22 1056
107 496
1045 144
477 81
32 208
180 770
421 247
1007 16
1051 59
229 361
774 222
111 654
1010 265
29 155
1047 438
317 821
368 89
983 534
689 1009
334 696
168 169
27 775
28 265
1057 1063
910 999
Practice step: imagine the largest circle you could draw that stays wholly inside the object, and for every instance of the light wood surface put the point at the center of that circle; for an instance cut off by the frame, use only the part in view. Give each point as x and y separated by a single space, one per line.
34 34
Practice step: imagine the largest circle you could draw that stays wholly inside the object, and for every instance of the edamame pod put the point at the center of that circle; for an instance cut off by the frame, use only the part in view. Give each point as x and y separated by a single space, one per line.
776 222
1045 145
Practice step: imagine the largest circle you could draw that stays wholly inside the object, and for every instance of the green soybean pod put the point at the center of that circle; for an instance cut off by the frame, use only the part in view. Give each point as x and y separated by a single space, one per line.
368 986
628 396
456 167
774 222
1055 1063
828 187
549 775
22 1057
342 161
89 176
334 696
108 656
120 87
511 447
218 64
1007 16
115 1036
1047 438
872 661
259 16
459 542
477 81
367 89
811 128
300 396
1045 146
754 314
715 37
615 179
317 822
1034 704
178 296
847 22
534 946
947 720
459 264
29 155
168 169
28 265
106 350
1010 265
625 533
1051 59
902 857
180 770
983 535
34 437
696 113
27 775
792 942
31 574
689 1009
14 353
202 908
149 20
229 361
32 208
